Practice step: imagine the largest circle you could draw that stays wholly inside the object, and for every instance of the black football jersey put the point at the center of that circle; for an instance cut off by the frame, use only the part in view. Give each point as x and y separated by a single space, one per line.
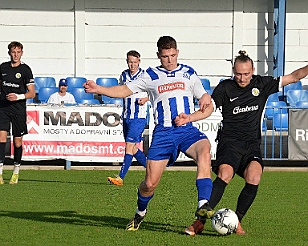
242 108
14 80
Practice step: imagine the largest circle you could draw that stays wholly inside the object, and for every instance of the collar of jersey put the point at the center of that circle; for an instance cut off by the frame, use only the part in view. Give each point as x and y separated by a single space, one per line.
179 67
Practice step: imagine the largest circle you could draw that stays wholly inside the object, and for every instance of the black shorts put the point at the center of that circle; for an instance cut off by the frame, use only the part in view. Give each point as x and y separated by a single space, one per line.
19 125
237 154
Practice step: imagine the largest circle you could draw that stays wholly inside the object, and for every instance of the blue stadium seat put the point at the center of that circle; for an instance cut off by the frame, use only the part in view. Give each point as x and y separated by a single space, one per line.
275 97
45 92
29 100
206 83
264 126
294 96
75 82
111 100
281 122
107 81
40 82
294 86
301 104
79 93
88 101
117 101
222 79
275 107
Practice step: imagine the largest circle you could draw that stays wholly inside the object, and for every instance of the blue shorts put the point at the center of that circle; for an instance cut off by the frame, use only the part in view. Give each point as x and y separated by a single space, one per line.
167 142
133 129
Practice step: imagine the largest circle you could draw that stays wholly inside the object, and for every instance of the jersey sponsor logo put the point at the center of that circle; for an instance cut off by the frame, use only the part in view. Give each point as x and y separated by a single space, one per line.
238 110
255 92
9 84
171 87
18 75
232 99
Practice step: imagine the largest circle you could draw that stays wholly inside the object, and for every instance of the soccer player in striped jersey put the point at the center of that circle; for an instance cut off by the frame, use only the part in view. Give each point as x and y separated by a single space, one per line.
171 88
134 117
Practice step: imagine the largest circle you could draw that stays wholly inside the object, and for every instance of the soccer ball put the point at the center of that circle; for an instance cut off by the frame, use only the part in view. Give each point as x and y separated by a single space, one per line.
225 221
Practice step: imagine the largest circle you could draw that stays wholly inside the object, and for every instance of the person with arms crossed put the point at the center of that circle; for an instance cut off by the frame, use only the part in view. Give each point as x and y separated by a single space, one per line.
134 117
171 88
241 101
62 96
17 85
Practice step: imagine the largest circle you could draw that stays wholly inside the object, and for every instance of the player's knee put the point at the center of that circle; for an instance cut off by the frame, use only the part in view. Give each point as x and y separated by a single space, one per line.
225 173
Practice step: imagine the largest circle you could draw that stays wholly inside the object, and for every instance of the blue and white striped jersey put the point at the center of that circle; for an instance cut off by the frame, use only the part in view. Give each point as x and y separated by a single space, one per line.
131 108
170 92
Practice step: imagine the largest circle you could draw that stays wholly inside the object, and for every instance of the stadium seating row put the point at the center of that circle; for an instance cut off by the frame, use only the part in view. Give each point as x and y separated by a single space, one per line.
45 86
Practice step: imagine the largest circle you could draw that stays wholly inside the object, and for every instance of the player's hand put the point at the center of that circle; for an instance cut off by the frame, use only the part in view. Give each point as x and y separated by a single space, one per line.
11 97
90 86
204 102
182 119
142 101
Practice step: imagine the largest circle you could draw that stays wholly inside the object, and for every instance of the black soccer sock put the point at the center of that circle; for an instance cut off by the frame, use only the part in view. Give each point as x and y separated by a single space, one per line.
2 152
17 154
218 190
245 199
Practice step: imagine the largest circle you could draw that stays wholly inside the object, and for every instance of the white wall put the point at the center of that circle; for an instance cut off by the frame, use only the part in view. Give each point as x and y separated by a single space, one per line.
91 37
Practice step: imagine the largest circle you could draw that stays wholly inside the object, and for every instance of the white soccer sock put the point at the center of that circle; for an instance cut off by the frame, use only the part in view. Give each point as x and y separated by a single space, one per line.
16 168
1 168
141 213
202 202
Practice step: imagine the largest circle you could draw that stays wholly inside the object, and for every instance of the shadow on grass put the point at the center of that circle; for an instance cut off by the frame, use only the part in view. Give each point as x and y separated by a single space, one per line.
73 218
61 181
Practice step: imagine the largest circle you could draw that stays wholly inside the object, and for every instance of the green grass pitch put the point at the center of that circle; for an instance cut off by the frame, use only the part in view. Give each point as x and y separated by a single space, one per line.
58 207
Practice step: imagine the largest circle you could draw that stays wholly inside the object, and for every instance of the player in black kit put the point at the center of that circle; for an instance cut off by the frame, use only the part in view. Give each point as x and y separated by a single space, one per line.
241 101
16 85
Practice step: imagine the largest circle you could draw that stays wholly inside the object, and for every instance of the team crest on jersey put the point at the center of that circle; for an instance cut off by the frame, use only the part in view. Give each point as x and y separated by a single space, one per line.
186 75
255 92
17 75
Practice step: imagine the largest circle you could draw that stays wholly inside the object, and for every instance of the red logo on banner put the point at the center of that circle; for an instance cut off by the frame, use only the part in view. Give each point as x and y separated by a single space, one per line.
33 121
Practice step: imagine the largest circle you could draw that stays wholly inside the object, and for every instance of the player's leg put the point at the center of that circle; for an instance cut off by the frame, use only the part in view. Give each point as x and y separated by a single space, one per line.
19 128
127 161
197 146
3 138
200 152
154 171
5 124
252 176
138 128
225 173
17 159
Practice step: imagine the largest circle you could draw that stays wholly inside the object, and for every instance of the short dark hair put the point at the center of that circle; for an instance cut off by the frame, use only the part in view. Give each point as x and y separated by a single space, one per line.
15 44
133 53
166 42
242 57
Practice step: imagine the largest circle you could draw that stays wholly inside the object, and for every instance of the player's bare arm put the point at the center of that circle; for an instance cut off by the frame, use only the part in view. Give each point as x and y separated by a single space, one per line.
204 101
15 97
120 91
295 76
183 118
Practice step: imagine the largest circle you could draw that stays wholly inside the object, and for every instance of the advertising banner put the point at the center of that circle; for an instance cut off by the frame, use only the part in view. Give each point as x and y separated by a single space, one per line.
298 134
74 133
